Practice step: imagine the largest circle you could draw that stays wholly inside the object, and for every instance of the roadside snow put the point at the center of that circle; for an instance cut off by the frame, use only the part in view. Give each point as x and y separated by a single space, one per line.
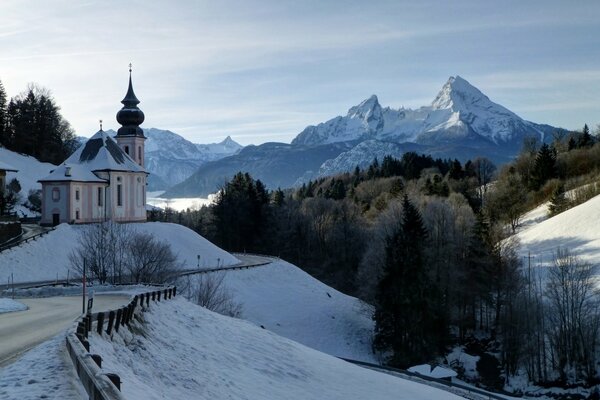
286 300
47 257
45 372
188 352
9 305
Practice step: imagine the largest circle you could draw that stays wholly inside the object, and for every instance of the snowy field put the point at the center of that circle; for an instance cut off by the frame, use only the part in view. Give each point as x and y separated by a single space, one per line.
9 305
47 258
576 229
286 300
178 204
188 352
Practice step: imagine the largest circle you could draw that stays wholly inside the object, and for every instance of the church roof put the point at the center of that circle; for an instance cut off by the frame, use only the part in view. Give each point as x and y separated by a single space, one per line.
99 153
7 167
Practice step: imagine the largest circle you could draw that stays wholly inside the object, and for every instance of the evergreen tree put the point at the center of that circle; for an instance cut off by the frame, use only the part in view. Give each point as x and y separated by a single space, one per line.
3 115
544 167
240 213
558 201
36 127
404 319
585 140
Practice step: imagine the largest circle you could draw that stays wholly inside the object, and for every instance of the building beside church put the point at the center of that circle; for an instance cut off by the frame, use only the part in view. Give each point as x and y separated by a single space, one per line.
4 168
104 179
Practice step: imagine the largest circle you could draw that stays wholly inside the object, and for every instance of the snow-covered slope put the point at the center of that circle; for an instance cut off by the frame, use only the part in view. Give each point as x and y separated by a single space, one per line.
460 113
286 300
203 355
29 169
576 229
48 257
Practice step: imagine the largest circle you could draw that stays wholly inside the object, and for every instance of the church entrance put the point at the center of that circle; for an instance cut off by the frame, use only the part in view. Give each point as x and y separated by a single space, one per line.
55 219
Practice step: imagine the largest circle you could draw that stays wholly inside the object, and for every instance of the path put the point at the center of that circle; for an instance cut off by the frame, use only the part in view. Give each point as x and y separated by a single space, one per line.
46 317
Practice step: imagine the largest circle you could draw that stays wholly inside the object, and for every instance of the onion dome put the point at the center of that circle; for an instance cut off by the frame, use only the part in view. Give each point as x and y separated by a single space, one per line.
130 116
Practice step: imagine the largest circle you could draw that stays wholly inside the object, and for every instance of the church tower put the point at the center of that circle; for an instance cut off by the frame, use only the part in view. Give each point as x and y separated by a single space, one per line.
130 137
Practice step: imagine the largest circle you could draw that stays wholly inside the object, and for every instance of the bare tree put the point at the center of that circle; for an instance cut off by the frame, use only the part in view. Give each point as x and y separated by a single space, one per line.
148 260
208 290
574 315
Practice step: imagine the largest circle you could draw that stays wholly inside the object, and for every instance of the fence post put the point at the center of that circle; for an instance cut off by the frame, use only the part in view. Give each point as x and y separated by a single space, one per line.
118 321
174 291
153 296
100 323
147 299
111 320
158 295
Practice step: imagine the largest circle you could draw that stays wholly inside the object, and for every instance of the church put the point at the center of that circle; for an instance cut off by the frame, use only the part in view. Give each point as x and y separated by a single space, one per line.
104 179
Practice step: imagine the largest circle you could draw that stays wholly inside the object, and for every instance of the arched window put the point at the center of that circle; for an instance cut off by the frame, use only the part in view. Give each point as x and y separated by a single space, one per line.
56 194
127 149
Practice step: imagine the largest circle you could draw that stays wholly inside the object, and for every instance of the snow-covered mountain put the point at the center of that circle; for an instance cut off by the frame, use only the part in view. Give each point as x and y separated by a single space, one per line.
461 122
460 113
171 159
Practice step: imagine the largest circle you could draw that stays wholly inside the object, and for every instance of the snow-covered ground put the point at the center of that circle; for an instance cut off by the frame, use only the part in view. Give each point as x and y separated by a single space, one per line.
576 229
47 257
45 372
286 300
9 305
188 352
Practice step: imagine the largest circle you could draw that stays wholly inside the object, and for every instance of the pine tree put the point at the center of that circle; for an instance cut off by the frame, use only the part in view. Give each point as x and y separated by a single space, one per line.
404 318
558 201
544 167
3 115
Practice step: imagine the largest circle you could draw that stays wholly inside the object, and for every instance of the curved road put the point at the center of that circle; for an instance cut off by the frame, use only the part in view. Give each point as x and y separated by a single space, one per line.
46 317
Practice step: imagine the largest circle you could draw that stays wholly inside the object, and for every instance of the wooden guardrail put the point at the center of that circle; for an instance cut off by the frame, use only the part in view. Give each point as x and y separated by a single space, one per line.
98 384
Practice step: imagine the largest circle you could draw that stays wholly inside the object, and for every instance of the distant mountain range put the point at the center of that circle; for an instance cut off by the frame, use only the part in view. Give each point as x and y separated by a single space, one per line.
171 159
461 122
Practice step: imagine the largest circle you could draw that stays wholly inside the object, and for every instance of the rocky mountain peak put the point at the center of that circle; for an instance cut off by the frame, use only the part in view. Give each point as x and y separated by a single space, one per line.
367 110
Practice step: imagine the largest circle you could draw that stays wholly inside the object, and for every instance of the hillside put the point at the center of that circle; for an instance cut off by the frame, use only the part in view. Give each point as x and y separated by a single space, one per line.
204 355
289 302
575 229
48 257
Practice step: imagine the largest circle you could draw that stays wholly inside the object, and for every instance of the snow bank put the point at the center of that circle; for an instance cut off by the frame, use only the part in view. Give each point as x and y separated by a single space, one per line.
45 372
9 305
47 257
288 301
189 352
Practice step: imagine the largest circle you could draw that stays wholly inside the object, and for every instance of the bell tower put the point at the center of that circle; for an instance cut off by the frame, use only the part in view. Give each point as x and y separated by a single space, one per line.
130 137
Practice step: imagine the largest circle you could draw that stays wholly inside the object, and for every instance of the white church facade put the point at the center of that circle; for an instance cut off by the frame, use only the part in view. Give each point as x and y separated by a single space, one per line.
104 179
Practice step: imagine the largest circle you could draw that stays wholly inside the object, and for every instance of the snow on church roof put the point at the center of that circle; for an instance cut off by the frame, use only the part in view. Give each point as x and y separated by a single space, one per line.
7 167
99 153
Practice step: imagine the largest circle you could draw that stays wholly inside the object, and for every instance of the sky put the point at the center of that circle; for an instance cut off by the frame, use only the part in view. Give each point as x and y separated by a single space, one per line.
262 71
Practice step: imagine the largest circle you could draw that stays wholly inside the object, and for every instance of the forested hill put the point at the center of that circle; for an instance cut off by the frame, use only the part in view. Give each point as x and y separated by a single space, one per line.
430 233
31 124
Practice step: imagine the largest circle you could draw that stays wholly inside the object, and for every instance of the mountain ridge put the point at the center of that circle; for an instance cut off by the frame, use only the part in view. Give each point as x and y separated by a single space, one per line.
461 122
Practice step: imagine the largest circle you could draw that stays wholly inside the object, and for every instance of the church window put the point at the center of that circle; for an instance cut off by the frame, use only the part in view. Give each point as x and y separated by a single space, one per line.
127 149
140 153
77 194
119 195
56 194
76 214
99 197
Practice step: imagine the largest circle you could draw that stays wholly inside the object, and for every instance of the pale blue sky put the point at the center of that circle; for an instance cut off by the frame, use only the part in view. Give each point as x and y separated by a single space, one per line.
263 70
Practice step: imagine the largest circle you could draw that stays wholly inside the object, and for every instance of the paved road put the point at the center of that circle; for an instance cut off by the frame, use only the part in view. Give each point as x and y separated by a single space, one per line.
47 317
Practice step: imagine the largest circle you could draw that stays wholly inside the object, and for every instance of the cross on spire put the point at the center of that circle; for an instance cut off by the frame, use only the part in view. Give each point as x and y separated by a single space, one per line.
130 67
100 124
